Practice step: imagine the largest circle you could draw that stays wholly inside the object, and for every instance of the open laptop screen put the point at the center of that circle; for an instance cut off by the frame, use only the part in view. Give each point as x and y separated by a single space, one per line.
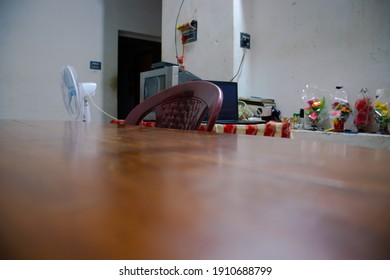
229 109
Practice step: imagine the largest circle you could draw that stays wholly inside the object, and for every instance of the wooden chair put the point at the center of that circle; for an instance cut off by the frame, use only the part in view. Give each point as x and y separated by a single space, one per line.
183 106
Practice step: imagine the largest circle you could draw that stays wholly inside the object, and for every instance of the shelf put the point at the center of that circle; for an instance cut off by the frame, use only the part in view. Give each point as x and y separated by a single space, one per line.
370 140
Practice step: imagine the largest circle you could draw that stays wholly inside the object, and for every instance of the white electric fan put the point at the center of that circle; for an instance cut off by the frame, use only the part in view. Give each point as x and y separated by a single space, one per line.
75 94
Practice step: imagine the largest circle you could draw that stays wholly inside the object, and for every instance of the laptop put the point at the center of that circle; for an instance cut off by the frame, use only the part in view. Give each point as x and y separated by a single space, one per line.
229 109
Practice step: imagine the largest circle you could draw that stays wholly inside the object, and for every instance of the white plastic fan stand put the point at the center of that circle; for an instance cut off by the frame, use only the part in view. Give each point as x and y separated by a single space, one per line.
87 89
86 111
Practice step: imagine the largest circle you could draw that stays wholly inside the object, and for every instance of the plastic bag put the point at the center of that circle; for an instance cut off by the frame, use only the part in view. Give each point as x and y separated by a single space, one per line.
314 100
340 106
341 109
381 109
363 106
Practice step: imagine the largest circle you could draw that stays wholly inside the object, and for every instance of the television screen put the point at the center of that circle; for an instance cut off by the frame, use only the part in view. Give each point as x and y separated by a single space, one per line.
156 80
154 85
229 109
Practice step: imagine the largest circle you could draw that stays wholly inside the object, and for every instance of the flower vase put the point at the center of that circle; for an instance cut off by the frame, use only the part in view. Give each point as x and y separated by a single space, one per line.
383 128
313 125
338 124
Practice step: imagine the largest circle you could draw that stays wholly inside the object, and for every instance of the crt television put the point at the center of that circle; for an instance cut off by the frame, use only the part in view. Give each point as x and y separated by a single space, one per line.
158 79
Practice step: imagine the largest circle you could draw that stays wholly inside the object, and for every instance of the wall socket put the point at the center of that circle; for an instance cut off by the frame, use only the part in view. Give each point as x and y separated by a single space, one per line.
245 40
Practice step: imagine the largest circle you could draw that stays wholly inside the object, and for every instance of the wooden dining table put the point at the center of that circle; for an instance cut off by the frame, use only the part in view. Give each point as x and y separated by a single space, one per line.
75 190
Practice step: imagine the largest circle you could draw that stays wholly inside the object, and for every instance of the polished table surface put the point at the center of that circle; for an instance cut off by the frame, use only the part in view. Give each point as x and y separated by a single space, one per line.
71 190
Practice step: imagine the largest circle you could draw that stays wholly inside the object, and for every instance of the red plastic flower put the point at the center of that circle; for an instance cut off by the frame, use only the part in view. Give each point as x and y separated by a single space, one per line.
363 107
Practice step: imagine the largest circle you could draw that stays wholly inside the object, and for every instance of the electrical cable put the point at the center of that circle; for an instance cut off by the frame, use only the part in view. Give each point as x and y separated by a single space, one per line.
239 68
180 59
101 110
177 19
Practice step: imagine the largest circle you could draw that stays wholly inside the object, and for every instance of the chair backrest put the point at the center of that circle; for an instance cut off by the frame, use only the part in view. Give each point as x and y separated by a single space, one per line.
183 106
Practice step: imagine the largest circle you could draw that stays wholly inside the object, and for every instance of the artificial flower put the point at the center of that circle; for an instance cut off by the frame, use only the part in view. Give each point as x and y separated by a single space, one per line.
381 113
362 104
313 116
363 107
341 109
314 108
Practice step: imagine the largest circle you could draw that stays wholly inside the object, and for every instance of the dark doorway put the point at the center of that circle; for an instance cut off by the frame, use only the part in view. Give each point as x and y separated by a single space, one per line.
134 56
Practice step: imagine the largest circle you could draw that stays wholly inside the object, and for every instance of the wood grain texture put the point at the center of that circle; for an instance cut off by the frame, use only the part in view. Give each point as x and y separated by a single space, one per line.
71 190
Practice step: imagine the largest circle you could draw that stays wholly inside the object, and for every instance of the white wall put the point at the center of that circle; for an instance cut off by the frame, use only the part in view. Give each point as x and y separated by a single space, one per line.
320 42
293 43
212 55
138 18
216 55
37 38
243 23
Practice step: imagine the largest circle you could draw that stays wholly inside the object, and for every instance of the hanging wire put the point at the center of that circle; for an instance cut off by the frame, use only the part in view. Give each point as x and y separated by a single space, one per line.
239 68
177 19
101 110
